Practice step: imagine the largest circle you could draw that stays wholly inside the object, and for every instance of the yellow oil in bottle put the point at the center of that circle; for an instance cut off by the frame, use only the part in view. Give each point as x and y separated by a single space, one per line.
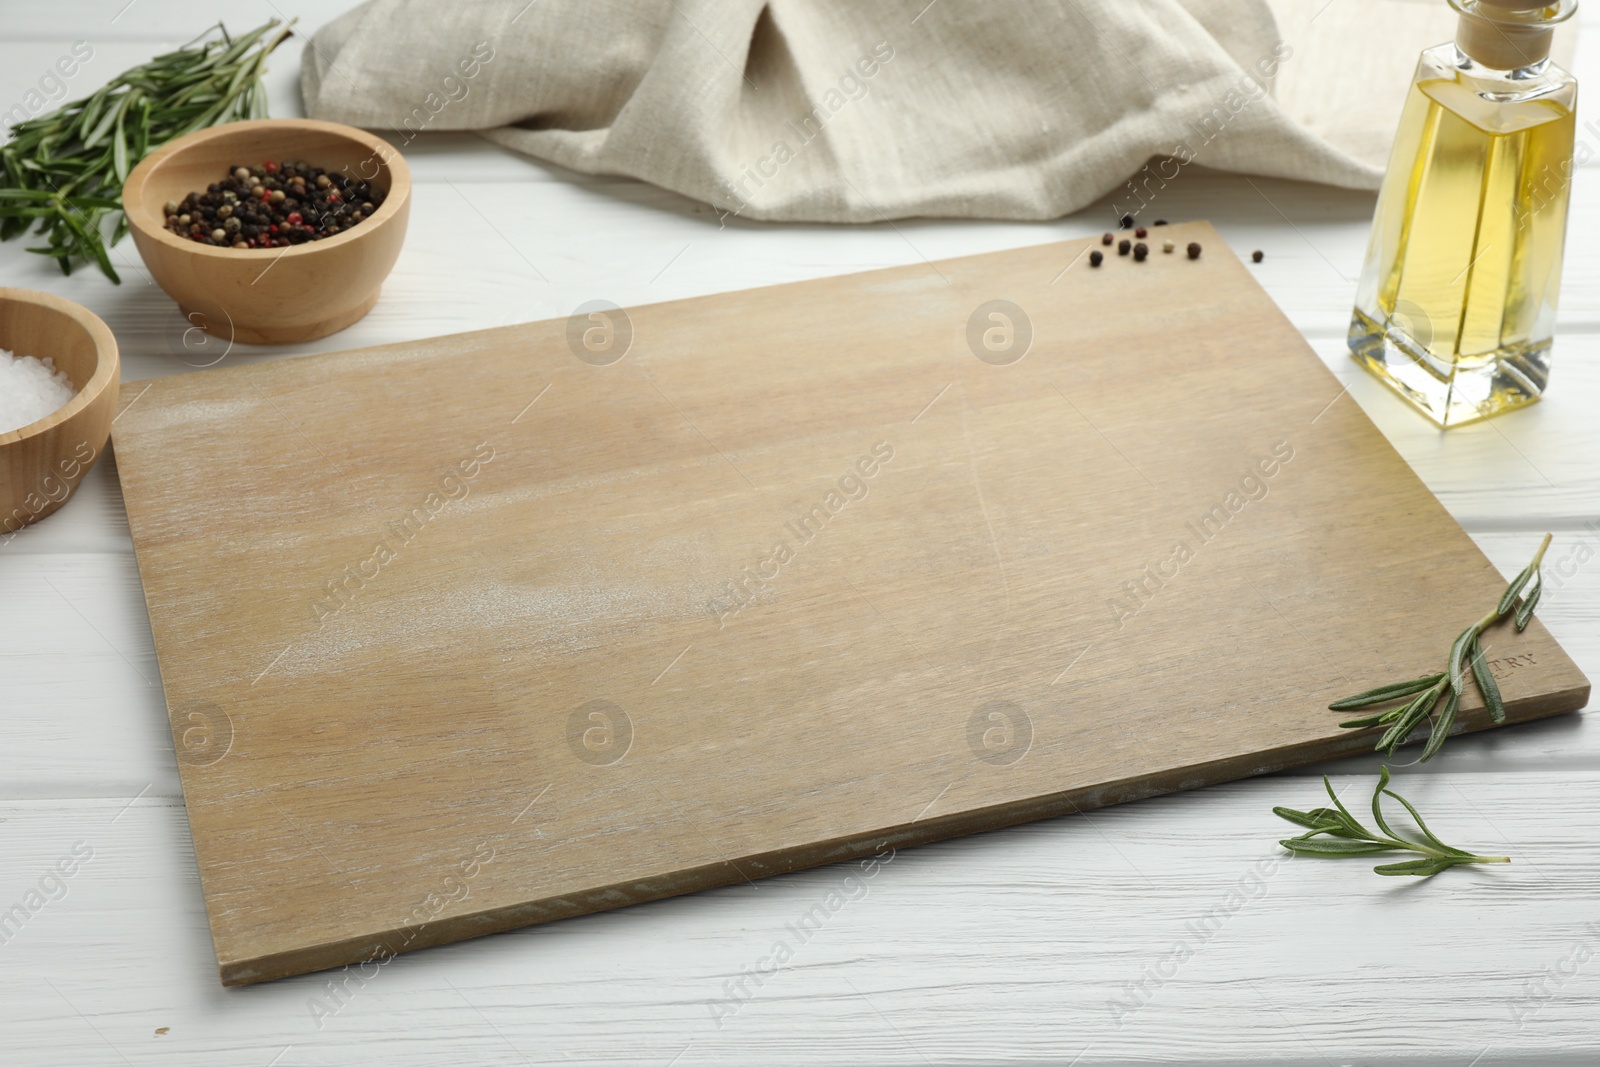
1457 302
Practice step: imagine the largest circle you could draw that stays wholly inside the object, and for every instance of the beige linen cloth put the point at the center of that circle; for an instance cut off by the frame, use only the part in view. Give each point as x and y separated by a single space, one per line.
840 111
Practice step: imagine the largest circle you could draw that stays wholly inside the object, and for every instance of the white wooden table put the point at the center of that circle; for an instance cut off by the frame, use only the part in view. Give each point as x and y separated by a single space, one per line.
1011 946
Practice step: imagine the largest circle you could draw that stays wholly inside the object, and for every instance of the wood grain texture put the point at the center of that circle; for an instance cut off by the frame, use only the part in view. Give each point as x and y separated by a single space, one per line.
759 581
85 715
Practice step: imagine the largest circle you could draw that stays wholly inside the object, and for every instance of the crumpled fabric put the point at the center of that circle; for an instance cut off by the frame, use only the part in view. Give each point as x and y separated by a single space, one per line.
835 111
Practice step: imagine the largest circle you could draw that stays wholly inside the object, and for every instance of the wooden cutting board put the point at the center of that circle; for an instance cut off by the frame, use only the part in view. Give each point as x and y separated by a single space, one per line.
464 634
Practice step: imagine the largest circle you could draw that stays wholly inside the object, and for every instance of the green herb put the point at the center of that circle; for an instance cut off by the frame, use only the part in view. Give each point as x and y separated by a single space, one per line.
62 172
1344 836
1422 695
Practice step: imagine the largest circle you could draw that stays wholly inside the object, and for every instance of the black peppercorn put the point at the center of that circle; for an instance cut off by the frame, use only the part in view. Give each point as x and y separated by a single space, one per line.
1124 246
1159 222
1140 251
1095 258
1256 256
1127 222
1194 249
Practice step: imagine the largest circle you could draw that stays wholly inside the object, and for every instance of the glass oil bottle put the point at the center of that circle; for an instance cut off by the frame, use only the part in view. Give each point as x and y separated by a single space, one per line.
1457 302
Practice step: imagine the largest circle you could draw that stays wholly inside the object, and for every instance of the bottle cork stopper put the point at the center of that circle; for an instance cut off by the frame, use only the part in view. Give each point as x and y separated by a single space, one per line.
1502 35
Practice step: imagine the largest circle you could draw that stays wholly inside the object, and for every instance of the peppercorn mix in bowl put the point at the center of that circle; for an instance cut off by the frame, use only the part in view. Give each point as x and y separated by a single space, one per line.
274 204
267 279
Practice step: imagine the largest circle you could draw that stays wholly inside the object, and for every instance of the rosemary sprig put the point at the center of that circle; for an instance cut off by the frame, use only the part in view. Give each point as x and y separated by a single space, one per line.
1422 695
61 173
1345 836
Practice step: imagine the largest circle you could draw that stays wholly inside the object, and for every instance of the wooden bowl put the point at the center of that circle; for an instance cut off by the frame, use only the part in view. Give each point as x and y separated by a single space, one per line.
43 462
269 295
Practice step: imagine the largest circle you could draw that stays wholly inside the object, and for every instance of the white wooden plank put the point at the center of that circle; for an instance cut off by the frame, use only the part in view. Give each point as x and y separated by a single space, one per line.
83 713
1012 945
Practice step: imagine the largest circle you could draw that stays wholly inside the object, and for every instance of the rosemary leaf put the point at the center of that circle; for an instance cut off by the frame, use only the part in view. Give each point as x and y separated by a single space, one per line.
1334 846
1384 693
1458 654
1423 868
1510 596
1441 726
1487 685
1310 820
1525 611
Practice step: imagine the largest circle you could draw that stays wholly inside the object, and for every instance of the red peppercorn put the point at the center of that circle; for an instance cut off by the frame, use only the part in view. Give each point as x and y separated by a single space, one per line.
1141 232
270 167
1106 239
296 218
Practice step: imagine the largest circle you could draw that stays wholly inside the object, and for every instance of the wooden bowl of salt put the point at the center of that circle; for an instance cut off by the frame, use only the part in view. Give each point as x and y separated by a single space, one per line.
59 370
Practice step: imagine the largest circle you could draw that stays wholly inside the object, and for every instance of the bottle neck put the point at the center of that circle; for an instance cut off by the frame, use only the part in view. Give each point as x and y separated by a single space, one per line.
1509 34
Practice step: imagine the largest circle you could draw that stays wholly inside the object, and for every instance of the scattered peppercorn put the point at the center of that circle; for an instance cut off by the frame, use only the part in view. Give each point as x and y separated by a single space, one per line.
1159 222
1141 232
1168 246
1194 249
1124 246
1127 222
1140 251
268 206
1095 258
1256 256
1106 239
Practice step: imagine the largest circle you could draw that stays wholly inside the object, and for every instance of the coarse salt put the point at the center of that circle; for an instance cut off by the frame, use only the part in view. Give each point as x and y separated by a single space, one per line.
30 389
